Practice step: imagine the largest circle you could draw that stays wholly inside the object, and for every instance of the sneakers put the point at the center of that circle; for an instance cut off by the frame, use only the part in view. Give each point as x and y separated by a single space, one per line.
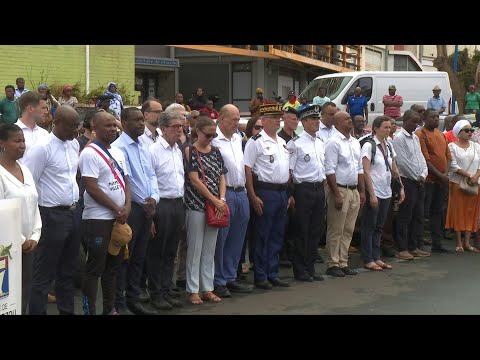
404 255
419 253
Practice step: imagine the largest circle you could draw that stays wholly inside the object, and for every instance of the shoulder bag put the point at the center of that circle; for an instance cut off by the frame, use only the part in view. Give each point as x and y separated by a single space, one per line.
464 185
210 212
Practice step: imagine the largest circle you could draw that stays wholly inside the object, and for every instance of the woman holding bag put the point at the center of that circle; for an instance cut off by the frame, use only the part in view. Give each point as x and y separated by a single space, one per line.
463 207
205 181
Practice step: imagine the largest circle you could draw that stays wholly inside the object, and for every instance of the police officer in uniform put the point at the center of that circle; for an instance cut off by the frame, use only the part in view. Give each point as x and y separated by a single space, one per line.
267 174
307 156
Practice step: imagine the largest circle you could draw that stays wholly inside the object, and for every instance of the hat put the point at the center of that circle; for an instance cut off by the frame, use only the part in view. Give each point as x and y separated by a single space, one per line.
309 111
259 90
104 97
271 109
436 88
66 87
392 87
290 110
459 126
291 92
121 236
42 87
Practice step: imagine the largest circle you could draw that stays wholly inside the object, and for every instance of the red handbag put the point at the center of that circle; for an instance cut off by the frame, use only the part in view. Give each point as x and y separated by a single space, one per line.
212 219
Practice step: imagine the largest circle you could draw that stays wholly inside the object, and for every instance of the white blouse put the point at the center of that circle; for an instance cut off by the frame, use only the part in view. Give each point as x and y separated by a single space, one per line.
11 188
462 158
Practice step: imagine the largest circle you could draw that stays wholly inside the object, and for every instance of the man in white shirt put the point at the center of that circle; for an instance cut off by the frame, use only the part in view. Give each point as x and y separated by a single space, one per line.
151 110
326 129
321 98
107 199
345 193
53 162
31 112
20 89
307 157
167 162
143 184
267 174
230 239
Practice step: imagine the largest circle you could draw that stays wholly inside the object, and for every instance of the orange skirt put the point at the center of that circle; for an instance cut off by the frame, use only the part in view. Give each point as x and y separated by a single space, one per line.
463 209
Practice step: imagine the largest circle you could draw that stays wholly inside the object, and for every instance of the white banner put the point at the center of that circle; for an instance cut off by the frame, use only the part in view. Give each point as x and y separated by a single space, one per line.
10 257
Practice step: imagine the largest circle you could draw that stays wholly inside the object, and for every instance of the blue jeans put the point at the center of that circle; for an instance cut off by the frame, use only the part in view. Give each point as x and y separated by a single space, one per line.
373 220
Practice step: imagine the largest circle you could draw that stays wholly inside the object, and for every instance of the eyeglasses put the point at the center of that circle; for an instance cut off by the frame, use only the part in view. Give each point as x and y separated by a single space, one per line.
209 136
258 127
469 130
176 126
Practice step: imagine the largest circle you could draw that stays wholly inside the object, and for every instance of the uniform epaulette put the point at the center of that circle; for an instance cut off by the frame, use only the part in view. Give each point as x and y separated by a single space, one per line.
256 136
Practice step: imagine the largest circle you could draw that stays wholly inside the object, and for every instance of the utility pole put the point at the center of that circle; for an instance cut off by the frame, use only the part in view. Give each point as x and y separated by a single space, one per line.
455 65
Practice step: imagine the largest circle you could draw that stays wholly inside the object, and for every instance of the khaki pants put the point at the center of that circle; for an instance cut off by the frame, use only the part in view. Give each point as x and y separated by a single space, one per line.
340 226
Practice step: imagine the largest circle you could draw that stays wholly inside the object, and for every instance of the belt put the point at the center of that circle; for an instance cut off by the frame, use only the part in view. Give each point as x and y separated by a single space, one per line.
314 185
351 187
270 186
168 199
65 207
236 188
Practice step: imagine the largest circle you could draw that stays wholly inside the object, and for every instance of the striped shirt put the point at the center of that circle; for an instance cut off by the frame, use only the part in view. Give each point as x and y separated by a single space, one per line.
392 111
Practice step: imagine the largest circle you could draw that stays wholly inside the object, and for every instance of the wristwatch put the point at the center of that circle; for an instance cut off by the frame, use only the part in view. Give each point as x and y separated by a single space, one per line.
223 199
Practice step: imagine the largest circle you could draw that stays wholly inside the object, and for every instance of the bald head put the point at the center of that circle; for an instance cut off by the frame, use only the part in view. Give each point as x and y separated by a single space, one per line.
228 119
343 122
67 123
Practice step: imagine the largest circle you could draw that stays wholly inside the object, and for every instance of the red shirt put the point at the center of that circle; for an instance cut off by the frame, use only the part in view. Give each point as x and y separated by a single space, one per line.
450 137
392 111
212 113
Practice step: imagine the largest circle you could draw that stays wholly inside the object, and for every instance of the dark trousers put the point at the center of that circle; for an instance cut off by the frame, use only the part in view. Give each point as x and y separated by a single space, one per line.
55 259
410 217
309 218
230 239
248 242
27 270
99 264
288 248
269 233
438 193
130 272
372 229
169 219
388 236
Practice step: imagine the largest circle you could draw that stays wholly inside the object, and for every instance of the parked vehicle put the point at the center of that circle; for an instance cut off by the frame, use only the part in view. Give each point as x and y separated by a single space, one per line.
414 86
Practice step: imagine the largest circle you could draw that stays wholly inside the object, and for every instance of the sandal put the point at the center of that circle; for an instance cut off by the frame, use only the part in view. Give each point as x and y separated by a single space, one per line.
459 249
210 296
471 249
194 299
383 265
373 266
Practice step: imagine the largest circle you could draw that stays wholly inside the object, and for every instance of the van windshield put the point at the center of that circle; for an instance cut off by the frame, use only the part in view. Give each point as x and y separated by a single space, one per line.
333 86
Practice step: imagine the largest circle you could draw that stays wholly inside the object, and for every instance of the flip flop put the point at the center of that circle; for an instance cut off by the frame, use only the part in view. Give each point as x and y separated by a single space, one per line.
373 267
384 265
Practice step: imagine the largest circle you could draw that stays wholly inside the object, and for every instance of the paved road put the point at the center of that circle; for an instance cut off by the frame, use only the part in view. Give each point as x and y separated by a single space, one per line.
440 284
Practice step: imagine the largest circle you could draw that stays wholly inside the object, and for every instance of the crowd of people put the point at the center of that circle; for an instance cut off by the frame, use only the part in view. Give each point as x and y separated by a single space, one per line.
137 200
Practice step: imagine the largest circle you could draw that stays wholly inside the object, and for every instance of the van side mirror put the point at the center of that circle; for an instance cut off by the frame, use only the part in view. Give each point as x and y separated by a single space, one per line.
372 106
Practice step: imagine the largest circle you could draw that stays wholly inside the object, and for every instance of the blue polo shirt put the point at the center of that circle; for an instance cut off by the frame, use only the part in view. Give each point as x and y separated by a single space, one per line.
356 105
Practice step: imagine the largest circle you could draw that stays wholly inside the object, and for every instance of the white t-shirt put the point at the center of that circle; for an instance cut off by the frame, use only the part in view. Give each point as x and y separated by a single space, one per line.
92 165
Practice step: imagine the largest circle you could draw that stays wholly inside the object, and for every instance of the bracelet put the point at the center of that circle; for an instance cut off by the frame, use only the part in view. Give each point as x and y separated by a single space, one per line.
223 199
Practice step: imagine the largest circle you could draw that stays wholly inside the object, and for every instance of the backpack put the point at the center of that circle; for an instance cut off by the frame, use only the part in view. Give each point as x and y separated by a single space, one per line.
371 140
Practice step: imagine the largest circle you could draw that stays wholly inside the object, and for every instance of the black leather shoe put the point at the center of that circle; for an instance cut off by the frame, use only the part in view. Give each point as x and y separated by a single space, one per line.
239 288
278 282
317 277
335 271
285 264
140 309
222 291
144 296
172 301
263 285
349 271
304 277
161 304
442 250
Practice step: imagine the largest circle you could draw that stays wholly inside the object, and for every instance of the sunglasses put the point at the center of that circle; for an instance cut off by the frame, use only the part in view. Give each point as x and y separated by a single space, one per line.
469 130
209 136
258 127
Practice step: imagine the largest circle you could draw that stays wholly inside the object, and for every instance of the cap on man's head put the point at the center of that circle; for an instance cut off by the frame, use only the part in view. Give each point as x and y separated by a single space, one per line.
121 236
292 92
436 88
309 111
259 90
392 87
271 109
290 110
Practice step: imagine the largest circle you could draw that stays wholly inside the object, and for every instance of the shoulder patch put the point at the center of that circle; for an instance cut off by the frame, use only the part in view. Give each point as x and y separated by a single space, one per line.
256 136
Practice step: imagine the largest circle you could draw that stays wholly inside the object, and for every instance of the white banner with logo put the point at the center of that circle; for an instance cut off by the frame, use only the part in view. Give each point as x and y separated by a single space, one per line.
10 257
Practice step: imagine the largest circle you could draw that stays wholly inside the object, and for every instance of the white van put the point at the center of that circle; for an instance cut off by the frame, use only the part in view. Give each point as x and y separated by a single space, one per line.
414 86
